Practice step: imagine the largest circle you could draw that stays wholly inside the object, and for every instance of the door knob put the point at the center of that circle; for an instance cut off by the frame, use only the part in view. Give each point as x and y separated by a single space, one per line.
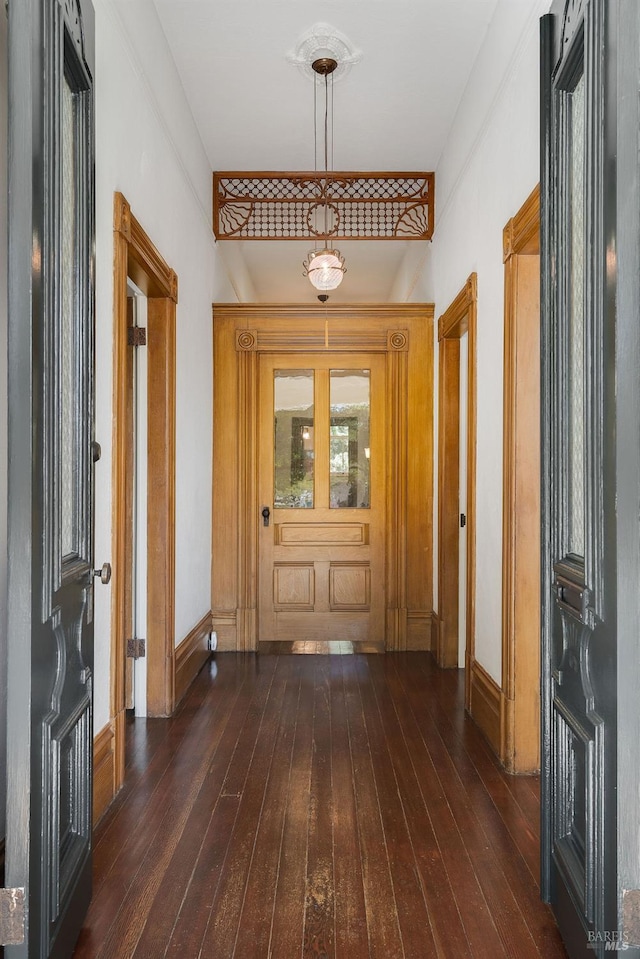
104 573
266 513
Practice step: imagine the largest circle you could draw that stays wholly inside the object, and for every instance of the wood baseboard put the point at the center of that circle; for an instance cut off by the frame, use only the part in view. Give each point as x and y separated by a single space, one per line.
103 770
191 655
435 631
225 625
485 705
419 630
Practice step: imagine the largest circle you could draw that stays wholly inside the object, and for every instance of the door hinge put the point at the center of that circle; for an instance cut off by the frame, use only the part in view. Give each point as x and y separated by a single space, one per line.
463 521
136 648
12 916
136 336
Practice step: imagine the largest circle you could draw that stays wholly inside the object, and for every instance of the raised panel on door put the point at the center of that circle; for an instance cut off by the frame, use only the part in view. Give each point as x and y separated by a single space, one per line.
51 315
322 480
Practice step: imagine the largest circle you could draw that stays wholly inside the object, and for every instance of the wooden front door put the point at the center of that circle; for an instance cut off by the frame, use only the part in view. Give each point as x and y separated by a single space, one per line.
51 453
322 497
348 549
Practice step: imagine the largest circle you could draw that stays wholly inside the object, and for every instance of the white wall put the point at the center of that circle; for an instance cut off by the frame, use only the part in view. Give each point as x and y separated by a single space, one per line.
147 148
488 168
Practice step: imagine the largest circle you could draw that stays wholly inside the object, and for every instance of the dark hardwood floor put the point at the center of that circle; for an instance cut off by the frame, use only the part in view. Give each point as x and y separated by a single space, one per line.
318 806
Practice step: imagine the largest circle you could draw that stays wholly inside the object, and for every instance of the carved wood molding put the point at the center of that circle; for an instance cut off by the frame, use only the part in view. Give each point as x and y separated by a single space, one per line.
162 281
288 206
246 340
396 531
521 235
121 216
279 341
454 321
398 341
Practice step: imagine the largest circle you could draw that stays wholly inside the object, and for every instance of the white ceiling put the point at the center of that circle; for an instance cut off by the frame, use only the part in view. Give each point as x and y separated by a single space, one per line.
254 108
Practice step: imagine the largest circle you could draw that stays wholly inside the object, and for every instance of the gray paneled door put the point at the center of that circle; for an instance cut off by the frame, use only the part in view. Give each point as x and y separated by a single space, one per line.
51 317
591 444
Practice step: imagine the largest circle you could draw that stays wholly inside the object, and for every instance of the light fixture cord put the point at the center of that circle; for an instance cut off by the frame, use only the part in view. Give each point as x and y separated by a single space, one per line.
332 119
326 153
315 123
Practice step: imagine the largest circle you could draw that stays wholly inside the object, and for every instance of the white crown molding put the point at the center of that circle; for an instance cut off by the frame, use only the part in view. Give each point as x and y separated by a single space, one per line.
324 40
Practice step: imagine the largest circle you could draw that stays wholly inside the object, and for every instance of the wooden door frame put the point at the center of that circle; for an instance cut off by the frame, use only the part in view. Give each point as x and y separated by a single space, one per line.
459 318
405 334
136 257
520 707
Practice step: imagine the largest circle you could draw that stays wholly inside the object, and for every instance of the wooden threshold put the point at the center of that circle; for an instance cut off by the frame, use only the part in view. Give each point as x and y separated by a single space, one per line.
319 647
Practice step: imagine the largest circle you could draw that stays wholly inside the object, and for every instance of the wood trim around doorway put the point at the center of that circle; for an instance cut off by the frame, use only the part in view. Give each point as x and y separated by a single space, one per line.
404 333
136 257
520 708
458 319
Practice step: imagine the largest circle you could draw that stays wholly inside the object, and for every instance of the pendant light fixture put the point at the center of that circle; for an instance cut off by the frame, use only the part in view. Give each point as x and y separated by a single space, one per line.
325 267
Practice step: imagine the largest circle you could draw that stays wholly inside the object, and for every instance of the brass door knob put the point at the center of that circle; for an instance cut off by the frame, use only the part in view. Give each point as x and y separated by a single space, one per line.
104 573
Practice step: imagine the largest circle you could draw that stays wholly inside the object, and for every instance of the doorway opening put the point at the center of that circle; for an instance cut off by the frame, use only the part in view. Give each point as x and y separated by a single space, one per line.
139 267
394 345
135 571
456 415
520 728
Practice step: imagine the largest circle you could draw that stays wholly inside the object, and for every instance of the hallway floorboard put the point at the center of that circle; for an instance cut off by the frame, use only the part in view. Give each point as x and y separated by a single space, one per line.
318 806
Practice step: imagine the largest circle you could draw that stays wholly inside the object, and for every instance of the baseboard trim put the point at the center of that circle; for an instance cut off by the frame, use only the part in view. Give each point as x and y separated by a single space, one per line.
419 630
435 631
191 655
485 705
103 771
225 624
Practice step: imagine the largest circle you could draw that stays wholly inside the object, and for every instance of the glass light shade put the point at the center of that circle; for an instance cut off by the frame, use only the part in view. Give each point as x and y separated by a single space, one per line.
325 269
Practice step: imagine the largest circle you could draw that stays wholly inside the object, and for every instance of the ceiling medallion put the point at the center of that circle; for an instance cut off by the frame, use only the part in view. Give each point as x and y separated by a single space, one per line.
323 40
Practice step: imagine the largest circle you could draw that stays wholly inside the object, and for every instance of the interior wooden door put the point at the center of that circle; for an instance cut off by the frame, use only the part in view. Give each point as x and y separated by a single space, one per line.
322 497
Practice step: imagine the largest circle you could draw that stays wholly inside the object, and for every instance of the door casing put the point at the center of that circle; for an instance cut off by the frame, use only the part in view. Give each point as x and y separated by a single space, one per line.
458 319
520 694
404 334
136 257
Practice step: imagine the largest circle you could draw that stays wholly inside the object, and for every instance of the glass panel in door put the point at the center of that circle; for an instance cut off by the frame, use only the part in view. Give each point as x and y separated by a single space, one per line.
293 429
576 451
349 445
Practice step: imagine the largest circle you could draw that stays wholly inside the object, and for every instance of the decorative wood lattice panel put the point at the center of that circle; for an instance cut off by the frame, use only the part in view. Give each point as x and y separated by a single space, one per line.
292 206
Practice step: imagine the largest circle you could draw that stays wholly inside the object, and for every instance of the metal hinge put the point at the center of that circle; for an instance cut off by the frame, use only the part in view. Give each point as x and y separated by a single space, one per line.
136 648
12 916
136 336
463 521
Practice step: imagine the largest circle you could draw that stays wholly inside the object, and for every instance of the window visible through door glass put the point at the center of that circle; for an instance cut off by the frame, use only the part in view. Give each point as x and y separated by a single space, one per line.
576 322
69 452
349 443
293 439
